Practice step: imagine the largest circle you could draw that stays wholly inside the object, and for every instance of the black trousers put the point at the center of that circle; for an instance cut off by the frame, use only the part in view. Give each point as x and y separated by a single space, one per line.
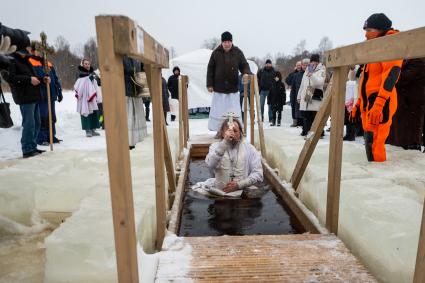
308 120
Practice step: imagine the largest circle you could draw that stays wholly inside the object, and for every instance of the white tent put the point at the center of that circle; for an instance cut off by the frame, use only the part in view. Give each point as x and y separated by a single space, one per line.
194 65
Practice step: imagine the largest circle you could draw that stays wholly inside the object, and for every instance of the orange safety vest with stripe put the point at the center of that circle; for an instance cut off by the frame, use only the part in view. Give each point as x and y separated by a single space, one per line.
39 63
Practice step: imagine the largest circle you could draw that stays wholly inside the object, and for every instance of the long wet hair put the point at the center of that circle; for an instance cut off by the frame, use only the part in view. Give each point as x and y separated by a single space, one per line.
224 127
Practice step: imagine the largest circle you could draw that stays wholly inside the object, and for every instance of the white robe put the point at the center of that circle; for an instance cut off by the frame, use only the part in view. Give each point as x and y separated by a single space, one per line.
222 103
88 94
246 167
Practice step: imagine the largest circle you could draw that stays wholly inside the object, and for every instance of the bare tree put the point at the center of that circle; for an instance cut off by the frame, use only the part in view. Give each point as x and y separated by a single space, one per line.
325 44
90 52
65 62
173 53
300 48
211 43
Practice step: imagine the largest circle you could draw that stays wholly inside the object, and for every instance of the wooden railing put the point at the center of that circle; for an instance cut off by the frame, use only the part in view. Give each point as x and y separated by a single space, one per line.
118 36
404 45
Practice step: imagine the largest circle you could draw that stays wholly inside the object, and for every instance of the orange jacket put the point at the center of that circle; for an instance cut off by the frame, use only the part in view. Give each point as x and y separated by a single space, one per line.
377 83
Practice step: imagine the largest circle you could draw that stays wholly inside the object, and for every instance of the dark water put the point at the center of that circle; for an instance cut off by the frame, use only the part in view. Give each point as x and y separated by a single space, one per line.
204 216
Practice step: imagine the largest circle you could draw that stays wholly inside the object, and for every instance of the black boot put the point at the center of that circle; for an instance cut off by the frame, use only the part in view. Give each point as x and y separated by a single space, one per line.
350 134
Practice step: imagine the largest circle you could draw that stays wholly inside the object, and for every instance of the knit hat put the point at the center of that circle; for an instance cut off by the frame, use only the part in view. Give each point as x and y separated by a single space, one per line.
176 68
226 36
315 58
378 21
268 61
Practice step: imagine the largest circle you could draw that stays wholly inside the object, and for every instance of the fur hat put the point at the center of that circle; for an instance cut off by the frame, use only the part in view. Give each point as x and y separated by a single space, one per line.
226 36
378 21
176 68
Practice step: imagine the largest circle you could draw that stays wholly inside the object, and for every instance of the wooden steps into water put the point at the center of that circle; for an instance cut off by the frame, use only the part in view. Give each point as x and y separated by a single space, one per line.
273 258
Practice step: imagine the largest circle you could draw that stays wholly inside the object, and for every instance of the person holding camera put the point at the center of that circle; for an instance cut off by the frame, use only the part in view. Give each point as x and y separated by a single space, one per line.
310 94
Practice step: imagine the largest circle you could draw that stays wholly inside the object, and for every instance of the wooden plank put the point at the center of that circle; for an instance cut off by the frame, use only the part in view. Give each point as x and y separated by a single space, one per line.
112 71
307 219
259 122
158 137
251 108
168 159
245 108
404 45
132 40
335 149
263 258
419 276
176 209
185 80
181 124
310 144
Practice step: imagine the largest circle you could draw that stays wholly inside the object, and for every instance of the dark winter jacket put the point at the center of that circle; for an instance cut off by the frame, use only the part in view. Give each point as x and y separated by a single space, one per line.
165 96
408 121
298 78
290 81
265 78
277 96
131 67
173 86
19 76
223 67
55 86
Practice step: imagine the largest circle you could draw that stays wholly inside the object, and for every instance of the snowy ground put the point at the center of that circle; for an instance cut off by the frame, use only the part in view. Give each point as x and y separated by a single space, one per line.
381 204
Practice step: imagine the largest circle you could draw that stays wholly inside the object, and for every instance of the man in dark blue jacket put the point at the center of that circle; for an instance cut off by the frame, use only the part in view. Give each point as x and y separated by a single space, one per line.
265 80
290 81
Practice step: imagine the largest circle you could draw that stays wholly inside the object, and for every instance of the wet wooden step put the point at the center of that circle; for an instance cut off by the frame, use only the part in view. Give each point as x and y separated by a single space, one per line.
277 258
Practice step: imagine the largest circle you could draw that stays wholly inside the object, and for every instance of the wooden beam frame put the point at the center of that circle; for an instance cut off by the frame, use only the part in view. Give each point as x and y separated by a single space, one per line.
185 103
251 108
245 108
259 122
386 48
118 36
335 148
312 140
419 276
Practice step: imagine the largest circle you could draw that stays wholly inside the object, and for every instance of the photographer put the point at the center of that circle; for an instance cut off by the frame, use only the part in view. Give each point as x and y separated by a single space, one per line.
310 94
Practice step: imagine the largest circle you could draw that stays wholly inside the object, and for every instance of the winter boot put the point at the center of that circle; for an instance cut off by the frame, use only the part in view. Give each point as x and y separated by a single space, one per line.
89 133
350 134
94 133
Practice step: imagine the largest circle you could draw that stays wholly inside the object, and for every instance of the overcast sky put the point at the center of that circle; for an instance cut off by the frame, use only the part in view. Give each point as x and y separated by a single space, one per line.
258 27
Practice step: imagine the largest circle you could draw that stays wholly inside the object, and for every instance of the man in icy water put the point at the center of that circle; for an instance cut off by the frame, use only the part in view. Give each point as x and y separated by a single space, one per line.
236 163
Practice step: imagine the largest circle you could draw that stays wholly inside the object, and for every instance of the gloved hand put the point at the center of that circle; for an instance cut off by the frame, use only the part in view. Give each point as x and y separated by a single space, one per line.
5 45
60 97
353 114
375 113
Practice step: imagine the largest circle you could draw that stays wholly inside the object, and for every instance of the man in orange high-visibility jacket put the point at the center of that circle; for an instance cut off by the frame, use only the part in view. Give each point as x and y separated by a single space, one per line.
378 97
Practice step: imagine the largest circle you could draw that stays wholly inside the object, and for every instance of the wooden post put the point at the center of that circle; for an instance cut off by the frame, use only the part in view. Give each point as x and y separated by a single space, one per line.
185 82
111 67
260 123
251 108
245 108
168 159
335 149
310 145
181 124
158 137
419 276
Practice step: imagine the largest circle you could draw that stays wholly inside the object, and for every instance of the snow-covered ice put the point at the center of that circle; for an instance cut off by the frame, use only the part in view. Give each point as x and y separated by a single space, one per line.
380 203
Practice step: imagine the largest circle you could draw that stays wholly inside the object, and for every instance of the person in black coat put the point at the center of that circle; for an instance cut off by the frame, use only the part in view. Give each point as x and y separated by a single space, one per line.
25 87
290 81
165 96
173 86
222 80
265 80
408 121
276 99
298 77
